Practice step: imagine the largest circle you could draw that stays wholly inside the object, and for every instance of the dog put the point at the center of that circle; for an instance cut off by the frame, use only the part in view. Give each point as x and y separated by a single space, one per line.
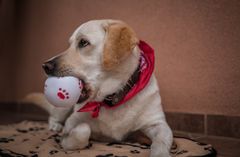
106 56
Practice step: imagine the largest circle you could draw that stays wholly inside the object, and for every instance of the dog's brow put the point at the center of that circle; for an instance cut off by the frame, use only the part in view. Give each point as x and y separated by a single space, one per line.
76 36
82 36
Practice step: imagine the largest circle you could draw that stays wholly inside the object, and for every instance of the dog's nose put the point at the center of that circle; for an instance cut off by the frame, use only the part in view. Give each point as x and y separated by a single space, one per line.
49 67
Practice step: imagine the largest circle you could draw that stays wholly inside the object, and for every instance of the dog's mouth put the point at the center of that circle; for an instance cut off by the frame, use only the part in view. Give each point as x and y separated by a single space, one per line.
85 93
86 89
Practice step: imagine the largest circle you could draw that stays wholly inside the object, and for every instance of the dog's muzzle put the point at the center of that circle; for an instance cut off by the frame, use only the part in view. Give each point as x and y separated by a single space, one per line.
51 68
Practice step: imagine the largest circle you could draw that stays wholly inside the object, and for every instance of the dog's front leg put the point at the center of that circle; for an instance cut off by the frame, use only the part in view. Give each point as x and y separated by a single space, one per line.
77 138
161 136
72 121
57 118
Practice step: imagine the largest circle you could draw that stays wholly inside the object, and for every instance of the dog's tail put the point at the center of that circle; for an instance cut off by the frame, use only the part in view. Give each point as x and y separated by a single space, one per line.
39 100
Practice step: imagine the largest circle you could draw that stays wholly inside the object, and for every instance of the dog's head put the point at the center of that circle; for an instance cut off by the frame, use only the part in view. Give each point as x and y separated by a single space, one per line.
98 49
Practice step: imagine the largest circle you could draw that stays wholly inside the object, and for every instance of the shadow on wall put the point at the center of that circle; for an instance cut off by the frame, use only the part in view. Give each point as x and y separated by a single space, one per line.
196 42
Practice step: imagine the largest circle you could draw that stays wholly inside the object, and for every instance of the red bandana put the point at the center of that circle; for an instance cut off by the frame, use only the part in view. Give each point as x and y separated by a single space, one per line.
146 68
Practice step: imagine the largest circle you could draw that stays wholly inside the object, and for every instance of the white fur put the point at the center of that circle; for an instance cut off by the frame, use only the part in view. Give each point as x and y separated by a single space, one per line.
143 112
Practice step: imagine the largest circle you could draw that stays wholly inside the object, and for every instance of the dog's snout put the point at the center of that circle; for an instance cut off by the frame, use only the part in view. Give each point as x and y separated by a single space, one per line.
49 67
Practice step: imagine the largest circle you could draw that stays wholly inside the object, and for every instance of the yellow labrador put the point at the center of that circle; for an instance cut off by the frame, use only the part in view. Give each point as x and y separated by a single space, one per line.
105 54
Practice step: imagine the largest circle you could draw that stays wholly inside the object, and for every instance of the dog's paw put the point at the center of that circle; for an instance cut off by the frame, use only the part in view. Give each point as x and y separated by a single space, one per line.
54 125
78 138
160 154
70 143
159 150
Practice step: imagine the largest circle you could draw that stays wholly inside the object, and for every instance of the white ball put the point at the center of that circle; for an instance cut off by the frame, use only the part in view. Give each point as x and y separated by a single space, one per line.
63 91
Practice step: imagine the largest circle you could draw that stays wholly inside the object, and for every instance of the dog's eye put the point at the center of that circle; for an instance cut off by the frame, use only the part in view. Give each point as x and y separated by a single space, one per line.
83 43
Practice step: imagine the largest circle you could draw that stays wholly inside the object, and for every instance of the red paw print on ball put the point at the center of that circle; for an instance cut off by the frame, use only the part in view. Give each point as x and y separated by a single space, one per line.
62 94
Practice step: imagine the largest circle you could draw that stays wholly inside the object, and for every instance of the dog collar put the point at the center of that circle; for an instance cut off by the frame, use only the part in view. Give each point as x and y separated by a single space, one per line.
113 99
135 84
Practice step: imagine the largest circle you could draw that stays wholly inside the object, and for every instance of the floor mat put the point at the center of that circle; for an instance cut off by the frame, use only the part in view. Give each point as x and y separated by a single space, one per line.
32 139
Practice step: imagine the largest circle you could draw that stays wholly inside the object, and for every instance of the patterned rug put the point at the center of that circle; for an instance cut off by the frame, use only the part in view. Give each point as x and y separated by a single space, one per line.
32 139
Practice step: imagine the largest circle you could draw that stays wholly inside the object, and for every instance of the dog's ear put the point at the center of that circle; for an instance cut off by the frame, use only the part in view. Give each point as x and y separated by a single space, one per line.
119 44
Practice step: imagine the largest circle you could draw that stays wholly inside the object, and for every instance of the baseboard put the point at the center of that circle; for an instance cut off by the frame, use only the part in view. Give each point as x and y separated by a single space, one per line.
213 125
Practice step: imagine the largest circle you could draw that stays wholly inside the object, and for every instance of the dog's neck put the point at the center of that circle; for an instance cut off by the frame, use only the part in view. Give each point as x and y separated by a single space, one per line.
115 81
113 99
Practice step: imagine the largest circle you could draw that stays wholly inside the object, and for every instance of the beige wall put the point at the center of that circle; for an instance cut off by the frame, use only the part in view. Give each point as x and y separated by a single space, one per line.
197 46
